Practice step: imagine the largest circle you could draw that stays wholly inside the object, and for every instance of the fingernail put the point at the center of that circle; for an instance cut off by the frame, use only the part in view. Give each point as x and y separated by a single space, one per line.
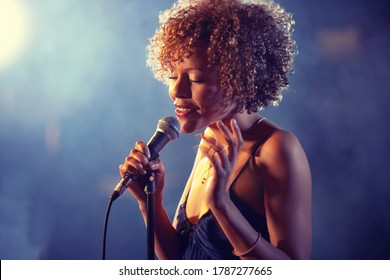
140 168
221 123
235 122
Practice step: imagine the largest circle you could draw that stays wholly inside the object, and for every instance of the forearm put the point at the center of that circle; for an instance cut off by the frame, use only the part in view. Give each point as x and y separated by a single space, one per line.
167 240
242 236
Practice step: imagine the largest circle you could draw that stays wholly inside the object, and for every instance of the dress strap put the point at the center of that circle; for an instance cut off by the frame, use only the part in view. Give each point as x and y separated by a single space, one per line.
253 153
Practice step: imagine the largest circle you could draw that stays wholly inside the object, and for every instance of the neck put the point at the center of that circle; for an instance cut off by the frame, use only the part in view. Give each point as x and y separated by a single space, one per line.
245 122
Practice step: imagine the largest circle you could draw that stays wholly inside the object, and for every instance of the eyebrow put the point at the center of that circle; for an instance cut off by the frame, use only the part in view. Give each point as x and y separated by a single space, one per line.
202 69
205 69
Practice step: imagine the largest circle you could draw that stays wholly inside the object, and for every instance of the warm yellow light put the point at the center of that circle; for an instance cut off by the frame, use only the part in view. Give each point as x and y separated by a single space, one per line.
14 31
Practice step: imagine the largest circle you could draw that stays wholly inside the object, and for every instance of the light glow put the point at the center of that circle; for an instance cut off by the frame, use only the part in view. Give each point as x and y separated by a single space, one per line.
14 31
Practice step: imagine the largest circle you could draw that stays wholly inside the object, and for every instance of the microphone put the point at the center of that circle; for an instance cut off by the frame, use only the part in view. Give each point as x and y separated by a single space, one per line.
168 129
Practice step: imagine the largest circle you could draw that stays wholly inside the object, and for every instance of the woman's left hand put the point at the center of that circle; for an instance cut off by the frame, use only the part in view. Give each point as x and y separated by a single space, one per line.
223 160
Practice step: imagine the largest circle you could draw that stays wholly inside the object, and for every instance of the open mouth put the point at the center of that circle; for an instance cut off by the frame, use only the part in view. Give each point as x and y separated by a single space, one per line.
184 111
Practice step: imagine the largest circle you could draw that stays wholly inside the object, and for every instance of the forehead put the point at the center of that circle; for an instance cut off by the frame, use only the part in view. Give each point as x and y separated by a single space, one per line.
197 59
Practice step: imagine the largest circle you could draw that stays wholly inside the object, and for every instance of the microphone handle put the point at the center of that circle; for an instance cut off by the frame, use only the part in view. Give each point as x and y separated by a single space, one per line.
129 179
125 182
158 141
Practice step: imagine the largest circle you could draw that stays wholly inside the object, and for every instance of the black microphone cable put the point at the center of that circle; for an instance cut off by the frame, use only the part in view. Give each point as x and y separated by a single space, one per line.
105 227
113 196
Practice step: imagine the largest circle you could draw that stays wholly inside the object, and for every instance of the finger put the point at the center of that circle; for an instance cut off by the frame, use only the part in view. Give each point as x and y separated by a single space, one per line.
133 166
237 136
219 154
236 132
211 144
122 170
216 162
156 165
225 130
209 153
143 148
126 168
224 159
221 164
216 154
230 135
137 161
139 156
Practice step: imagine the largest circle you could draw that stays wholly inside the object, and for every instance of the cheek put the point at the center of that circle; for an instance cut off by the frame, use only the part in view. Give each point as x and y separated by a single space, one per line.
209 97
170 93
216 107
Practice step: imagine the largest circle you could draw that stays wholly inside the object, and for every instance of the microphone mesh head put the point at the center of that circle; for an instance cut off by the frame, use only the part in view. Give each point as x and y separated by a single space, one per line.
170 126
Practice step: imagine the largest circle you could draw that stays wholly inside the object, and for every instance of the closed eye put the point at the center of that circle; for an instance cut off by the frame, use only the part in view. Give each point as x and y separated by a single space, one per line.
197 81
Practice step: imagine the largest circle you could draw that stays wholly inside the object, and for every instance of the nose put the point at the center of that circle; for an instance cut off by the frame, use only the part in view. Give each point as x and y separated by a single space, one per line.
180 87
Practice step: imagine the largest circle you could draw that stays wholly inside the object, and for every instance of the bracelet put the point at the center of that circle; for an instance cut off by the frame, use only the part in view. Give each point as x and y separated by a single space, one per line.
237 254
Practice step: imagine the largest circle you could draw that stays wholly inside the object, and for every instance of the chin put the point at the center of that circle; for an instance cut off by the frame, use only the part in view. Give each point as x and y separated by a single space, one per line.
187 130
189 127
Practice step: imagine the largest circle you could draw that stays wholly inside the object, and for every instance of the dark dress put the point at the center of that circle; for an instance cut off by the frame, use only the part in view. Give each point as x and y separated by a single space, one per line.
205 240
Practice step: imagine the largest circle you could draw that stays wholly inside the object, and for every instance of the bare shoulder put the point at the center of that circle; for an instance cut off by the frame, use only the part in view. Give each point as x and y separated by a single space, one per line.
281 145
279 139
282 158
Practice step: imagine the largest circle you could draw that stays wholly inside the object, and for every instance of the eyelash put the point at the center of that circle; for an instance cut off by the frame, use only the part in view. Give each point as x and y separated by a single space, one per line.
192 81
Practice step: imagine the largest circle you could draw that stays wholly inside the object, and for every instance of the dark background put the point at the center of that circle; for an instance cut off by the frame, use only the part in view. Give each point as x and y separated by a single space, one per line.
73 103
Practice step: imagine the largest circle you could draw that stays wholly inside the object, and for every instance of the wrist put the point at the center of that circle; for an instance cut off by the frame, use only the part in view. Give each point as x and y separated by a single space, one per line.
221 205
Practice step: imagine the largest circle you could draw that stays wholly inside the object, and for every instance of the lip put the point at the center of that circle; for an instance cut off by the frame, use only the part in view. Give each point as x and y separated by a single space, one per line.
184 111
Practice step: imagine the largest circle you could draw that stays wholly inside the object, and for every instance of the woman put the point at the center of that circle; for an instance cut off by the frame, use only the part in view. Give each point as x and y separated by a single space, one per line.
249 193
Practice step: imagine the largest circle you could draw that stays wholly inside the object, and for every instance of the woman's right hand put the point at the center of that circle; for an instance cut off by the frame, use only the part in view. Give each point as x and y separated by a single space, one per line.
137 163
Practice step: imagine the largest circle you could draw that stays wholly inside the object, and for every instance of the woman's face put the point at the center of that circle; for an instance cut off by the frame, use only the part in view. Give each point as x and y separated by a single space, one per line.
196 92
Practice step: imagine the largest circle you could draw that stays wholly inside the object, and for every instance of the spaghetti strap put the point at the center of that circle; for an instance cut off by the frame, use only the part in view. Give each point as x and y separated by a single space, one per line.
253 153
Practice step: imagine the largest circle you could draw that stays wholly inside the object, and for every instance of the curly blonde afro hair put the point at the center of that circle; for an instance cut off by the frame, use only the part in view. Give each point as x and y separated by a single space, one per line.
251 41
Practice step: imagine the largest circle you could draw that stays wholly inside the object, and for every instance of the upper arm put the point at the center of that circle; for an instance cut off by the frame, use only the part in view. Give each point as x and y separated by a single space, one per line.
287 194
